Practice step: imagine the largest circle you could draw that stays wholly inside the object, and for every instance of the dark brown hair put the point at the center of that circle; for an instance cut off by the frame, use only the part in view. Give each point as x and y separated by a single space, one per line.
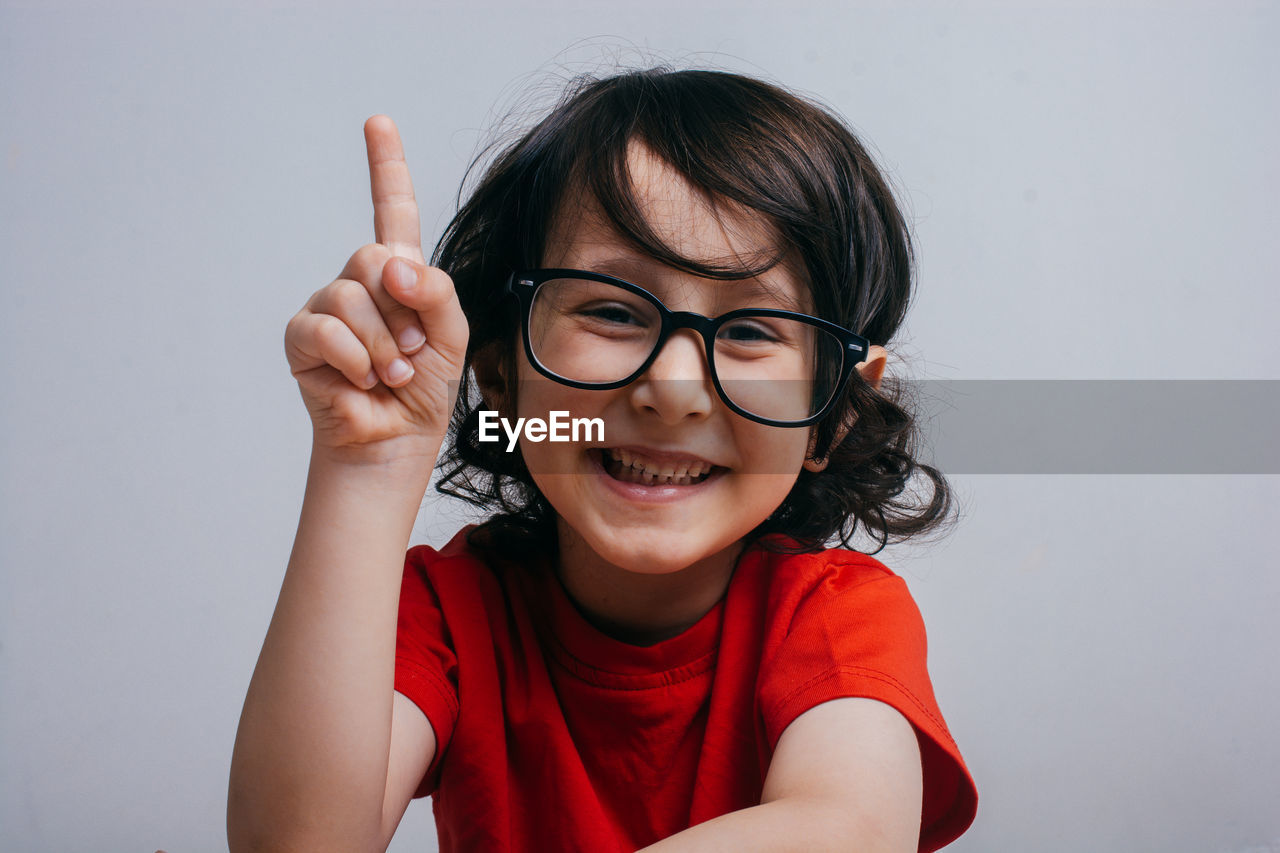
758 147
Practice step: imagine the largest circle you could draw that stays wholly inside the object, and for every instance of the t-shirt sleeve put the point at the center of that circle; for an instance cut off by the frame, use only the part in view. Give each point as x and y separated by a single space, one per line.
426 666
858 632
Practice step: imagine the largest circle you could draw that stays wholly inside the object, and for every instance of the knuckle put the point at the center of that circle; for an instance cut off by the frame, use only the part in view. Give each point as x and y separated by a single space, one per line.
348 295
372 253
366 264
329 332
385 348
294 327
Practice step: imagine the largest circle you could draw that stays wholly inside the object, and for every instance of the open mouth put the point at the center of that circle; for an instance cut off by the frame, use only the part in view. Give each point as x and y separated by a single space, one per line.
628 467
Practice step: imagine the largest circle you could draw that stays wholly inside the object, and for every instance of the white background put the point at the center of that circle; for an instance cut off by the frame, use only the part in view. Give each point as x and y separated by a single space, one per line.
1093 188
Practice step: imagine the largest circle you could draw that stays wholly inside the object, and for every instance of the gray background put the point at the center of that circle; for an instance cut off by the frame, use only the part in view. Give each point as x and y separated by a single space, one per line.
1093 189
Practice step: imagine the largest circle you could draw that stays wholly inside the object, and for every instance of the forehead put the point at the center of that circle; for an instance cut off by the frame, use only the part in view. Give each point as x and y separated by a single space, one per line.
687 221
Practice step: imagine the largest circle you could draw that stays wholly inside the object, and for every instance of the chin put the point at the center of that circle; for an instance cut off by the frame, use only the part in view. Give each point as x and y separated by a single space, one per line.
652 552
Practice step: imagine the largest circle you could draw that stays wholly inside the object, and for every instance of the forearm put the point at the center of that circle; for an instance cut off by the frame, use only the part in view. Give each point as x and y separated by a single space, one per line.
311 752
779 825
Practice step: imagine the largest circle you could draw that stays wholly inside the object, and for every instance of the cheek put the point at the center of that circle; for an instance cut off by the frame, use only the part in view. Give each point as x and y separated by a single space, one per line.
773 463
776 450
537 396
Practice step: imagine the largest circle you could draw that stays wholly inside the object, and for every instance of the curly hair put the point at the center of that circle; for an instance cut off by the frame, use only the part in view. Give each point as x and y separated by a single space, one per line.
752 144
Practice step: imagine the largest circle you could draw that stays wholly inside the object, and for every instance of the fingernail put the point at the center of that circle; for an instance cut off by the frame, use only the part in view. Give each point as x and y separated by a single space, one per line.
399 370
371 379
406 273
411 338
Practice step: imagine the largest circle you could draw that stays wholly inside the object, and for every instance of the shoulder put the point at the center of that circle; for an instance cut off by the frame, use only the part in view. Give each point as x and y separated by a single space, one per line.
860 587
461 585
443 589
842 625
840 621
833 566
449 598
452 568
424 557
475 549
838 609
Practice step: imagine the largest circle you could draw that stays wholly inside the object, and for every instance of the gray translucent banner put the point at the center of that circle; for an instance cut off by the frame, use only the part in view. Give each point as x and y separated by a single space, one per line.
994 426
1088 426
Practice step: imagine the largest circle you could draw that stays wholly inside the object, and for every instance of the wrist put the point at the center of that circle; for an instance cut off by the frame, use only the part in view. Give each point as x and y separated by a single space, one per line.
405 468
401 455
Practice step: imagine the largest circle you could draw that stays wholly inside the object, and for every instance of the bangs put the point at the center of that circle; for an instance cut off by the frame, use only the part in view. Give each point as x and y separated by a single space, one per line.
722 138
604 188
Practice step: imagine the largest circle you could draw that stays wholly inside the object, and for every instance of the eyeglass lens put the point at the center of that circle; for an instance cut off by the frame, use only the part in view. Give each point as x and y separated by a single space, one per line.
776 368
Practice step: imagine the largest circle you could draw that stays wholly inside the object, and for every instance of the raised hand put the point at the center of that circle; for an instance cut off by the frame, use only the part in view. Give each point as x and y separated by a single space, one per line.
378 352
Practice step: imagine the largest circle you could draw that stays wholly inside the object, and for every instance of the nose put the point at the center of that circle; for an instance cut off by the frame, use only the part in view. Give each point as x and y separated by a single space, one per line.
678 383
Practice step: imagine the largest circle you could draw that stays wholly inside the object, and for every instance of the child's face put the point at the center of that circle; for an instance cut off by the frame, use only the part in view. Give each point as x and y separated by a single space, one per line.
672 412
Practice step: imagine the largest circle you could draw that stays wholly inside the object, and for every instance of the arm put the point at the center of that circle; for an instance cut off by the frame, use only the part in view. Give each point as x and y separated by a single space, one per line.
845 776
311 760
327 756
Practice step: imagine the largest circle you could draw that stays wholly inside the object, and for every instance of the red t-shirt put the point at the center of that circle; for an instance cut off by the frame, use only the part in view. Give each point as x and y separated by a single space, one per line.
551 735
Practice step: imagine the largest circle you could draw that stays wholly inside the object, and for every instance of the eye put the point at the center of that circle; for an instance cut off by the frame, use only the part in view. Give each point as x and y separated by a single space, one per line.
611 312
747 332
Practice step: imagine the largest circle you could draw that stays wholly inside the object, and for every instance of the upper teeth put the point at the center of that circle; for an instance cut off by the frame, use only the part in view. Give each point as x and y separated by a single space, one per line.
691 468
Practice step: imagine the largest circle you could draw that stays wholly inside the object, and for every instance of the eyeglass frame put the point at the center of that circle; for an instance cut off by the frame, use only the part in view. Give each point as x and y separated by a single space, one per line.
524 284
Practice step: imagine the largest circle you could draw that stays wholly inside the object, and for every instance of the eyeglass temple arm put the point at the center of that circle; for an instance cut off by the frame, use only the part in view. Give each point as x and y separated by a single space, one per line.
499 293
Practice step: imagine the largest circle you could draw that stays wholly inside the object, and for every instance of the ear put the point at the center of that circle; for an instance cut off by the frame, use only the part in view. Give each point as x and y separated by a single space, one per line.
871 371
490 377
812 463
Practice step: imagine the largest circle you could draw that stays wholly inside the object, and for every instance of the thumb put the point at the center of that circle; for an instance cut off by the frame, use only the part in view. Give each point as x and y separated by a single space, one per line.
429 292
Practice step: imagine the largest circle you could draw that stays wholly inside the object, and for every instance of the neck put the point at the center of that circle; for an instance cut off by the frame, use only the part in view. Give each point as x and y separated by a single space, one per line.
638 608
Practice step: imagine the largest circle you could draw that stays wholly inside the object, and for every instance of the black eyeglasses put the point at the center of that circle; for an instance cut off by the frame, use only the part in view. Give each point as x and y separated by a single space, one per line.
590 330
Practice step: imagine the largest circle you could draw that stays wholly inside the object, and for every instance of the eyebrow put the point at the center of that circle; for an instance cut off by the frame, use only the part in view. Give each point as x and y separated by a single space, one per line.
638 270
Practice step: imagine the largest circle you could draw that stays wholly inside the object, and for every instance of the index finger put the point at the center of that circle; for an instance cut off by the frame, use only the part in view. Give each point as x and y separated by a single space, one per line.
395 211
